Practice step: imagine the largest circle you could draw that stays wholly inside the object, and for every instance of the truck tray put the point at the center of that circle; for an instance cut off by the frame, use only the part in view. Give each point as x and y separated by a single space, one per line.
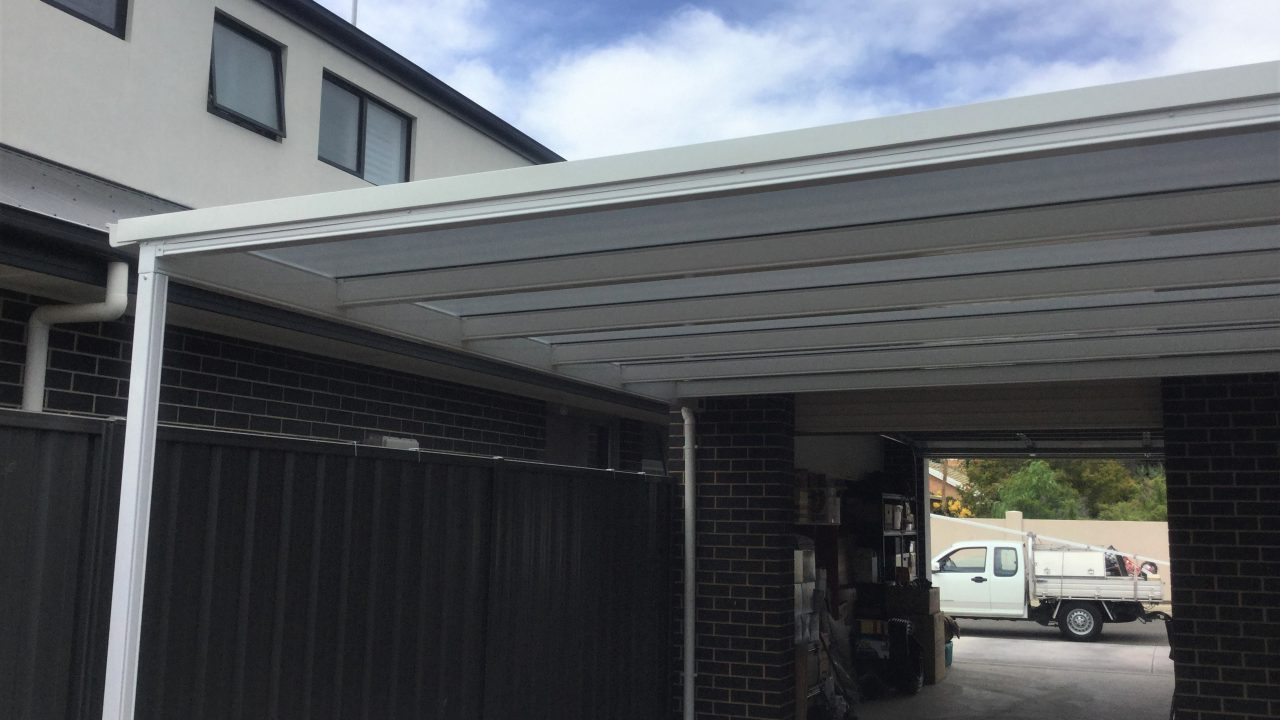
1092 588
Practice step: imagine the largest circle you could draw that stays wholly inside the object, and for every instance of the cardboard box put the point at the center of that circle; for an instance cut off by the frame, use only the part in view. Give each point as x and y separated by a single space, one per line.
931 632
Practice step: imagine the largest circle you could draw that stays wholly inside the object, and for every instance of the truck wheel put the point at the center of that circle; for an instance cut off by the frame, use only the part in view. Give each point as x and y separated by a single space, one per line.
1080 622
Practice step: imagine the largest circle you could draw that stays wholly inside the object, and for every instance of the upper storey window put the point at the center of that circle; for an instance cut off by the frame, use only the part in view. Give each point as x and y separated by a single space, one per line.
361 135
106 14
246 79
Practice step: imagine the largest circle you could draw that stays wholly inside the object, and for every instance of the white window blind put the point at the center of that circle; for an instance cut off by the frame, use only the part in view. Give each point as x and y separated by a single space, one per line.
244 77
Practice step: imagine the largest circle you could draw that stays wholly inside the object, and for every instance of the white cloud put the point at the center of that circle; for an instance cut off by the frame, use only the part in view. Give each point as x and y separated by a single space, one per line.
446 37
695 76
1220 34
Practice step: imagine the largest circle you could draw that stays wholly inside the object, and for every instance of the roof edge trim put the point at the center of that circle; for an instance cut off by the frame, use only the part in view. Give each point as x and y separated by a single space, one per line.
1233 100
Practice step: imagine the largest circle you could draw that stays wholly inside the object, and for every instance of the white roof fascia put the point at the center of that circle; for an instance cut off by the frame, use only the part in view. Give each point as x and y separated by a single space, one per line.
950 480
1214 100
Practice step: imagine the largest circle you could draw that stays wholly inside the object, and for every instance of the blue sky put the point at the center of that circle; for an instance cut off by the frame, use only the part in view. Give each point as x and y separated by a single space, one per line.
607 77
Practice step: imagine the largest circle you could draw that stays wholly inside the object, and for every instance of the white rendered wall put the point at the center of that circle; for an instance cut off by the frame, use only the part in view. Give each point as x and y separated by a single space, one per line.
134 111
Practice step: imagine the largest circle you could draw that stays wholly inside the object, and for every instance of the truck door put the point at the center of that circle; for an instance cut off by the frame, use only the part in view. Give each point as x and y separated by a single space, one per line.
963 581
1006 584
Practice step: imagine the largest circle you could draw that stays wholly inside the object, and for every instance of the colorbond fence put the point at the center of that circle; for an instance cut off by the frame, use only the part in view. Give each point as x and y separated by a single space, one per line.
293 579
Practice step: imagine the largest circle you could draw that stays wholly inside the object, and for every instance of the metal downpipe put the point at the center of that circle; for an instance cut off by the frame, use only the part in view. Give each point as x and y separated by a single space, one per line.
111 308
690 559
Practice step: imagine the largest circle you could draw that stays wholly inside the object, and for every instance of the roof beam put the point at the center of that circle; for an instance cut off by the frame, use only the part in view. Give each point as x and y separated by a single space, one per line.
1218 364
1169 274
1155 313
1251 340
248 277
1032 226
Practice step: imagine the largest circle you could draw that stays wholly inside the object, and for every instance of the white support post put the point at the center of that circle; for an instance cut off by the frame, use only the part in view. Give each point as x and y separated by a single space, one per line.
135 489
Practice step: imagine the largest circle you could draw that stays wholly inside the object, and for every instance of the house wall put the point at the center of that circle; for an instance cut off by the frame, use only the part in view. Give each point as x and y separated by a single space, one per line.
134 110
745 650
1222 463
1130 403
216 381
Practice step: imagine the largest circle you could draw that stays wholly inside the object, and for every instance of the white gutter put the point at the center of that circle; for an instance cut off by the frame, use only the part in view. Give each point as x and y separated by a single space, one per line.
690 558
111 308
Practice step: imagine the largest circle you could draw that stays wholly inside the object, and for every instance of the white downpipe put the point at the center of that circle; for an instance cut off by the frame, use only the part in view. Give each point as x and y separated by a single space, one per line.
111 308
690 558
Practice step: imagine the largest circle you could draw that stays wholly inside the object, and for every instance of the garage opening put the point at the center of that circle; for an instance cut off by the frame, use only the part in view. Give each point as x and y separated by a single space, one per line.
1010 526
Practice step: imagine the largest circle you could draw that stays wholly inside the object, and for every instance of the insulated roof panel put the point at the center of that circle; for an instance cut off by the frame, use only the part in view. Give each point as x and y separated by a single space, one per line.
1120 232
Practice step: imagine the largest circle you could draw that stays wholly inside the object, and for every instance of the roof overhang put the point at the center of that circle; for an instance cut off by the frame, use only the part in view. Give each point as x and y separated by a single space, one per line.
1112 232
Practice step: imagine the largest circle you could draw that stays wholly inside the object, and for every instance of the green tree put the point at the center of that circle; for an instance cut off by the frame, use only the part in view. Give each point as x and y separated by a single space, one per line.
1149 502
1036 491
985 477
1107 488
1100 482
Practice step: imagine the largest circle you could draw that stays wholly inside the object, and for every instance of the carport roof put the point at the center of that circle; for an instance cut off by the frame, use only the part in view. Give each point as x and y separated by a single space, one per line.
1120 231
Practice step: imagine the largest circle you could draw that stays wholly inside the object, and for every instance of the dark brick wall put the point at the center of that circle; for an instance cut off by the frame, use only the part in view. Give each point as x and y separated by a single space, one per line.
1222 462
216 381
745 638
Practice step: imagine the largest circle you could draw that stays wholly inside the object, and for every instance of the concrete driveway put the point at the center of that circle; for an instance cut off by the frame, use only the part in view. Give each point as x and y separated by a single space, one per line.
1022 671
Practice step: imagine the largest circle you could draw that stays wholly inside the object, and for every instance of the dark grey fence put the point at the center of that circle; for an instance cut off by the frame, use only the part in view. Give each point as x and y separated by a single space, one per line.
289 579
54 569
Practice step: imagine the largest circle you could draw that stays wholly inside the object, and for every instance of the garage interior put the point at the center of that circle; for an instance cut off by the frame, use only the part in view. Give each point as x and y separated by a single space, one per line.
1091 270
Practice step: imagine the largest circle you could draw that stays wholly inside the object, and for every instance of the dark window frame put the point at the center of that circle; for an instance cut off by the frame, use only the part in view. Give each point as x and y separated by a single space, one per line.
365 98
277 56
122 16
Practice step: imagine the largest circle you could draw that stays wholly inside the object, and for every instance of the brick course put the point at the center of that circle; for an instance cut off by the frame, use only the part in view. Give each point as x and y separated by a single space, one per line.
1222 462
215 381
745 636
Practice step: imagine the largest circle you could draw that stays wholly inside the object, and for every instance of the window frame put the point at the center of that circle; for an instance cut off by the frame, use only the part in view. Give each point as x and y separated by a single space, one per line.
277 56
122 16
967 569
365 98
995 562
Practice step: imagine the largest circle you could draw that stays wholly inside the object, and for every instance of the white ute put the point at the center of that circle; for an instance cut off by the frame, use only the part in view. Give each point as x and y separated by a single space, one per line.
1070 588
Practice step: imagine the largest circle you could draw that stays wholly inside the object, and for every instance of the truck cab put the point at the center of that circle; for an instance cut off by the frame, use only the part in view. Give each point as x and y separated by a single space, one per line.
982 579
1052 585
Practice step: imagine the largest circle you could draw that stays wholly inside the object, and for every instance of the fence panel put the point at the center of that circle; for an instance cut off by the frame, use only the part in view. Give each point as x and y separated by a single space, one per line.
294 579
55 508
579 596
297 580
